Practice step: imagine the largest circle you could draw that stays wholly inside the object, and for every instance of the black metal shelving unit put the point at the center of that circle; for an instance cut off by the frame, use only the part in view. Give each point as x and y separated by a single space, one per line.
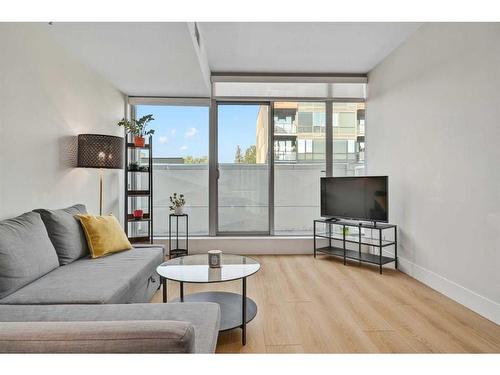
132 192
337 242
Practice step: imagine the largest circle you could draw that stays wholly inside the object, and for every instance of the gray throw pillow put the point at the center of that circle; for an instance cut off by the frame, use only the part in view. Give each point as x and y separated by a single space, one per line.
66 233
26 252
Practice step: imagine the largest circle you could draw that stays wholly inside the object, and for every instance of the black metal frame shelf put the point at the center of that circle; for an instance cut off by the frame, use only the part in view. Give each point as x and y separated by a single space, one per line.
138 193
364 240
139 239
345 253
176 252
131 192
132 145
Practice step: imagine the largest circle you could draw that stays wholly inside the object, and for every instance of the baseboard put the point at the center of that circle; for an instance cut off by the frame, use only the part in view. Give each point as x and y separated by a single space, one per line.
477 303
249 245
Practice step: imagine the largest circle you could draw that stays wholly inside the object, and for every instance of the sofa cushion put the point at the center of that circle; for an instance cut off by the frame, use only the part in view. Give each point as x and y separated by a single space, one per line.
26 252
204 316
65 232
111 279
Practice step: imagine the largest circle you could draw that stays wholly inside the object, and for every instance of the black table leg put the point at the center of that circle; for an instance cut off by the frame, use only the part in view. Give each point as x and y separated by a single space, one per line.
380 248
182 291
244 313
396 246
314 238
164 286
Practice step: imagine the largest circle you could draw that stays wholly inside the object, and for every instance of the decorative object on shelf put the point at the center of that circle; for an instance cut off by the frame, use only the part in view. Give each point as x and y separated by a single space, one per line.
340 250
100 151
214 258
178 203
174 248
139 197
138 214
138 129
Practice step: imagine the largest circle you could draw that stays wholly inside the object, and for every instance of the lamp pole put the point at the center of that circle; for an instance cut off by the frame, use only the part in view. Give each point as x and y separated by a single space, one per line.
101 175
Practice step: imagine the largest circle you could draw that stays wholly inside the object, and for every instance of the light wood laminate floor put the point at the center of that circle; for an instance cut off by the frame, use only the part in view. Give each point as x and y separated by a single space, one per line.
308 305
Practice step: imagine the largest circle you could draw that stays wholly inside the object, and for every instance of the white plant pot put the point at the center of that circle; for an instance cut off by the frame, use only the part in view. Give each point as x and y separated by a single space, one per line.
179 210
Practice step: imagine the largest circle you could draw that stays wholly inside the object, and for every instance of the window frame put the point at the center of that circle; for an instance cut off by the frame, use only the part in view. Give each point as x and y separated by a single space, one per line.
212 103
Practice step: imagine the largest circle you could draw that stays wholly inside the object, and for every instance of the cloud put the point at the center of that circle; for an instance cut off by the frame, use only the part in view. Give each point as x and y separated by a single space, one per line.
163 140
183 148
191 132
172 132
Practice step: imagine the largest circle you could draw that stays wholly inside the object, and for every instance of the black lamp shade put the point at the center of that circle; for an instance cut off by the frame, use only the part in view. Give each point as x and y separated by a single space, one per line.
100 151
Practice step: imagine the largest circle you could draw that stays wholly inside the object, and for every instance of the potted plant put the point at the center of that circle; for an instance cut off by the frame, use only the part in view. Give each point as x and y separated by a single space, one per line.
138 214
138 128
177 203
133 166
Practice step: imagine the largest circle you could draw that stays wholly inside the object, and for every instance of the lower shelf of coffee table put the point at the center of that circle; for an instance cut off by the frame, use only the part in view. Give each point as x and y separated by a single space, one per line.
230 306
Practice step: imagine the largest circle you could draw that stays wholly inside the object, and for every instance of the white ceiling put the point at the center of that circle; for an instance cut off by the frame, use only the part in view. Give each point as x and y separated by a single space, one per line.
301 47
149 59
162 59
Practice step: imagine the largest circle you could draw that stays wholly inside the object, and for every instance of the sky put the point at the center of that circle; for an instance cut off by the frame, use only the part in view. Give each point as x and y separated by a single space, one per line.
181 131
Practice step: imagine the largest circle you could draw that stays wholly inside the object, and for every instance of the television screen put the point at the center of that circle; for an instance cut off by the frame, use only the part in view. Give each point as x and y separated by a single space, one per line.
362 198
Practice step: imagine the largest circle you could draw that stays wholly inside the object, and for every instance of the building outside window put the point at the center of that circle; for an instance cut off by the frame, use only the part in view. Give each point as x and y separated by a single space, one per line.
348 139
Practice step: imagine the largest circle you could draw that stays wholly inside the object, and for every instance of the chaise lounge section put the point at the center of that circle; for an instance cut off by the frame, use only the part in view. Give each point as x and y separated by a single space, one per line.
129 328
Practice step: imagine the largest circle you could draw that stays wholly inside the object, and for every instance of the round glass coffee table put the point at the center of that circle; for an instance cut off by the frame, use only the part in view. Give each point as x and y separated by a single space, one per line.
236 309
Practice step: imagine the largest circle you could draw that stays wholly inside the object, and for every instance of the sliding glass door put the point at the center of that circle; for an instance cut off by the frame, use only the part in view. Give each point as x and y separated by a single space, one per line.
243 168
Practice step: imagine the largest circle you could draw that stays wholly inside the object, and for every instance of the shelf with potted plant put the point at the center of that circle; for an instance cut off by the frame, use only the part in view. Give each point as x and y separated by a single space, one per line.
177 203
139 165
139 216
132 145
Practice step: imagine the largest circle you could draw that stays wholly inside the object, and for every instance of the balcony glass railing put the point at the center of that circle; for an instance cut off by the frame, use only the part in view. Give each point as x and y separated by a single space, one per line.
285 128
294 208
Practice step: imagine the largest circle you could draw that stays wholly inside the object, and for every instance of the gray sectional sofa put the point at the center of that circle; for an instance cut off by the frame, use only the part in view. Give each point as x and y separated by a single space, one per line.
55 298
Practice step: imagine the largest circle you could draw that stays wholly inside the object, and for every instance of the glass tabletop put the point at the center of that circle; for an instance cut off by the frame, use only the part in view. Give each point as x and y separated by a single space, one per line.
195 269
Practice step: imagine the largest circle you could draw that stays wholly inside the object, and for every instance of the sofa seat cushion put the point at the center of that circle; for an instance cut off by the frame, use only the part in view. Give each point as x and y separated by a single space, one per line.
110 279
204 316
66 233
26 252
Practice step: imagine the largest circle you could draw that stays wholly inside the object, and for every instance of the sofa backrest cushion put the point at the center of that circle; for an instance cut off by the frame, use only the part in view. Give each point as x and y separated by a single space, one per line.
26 252
66 233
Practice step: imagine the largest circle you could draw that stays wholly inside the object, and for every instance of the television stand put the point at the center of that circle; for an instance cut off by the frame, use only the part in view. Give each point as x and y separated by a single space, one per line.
336 245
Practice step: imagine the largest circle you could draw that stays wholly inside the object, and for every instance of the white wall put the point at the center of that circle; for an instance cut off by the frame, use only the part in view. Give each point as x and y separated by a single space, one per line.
46 98
433 116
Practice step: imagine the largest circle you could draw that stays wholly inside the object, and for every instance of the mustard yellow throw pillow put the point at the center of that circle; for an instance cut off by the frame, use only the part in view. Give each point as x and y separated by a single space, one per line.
104 235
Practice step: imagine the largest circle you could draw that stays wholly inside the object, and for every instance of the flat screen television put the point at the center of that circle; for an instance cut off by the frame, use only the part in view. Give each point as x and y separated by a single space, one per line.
356 198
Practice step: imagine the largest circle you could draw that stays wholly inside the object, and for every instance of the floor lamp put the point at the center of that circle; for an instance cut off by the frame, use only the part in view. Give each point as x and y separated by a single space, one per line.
102 152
